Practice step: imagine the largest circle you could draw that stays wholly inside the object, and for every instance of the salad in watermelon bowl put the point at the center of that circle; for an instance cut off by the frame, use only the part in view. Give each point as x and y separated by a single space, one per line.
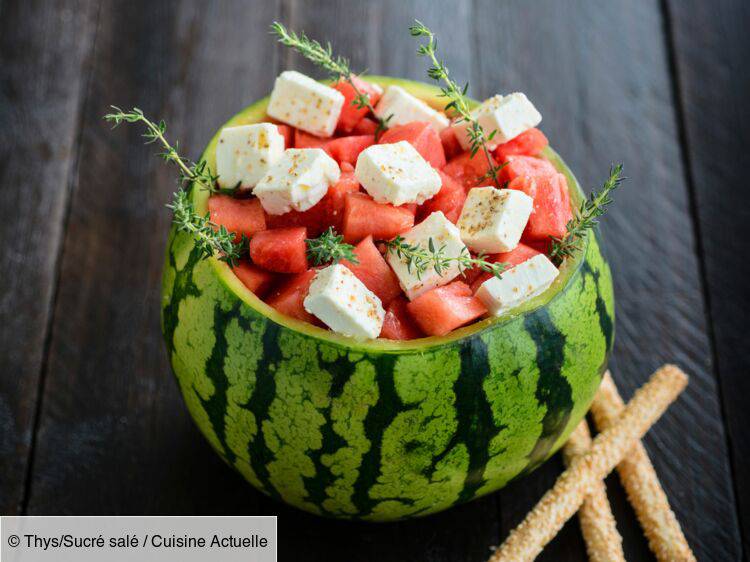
382 298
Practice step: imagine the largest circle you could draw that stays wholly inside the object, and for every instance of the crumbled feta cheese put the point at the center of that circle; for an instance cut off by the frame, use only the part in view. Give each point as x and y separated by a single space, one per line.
517 285
245 153
492 220
508 116
298 181
305 103
344 304
405 108
445 236
396 174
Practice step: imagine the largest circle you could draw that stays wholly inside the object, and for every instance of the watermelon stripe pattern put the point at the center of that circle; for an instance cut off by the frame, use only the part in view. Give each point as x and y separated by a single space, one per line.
375 432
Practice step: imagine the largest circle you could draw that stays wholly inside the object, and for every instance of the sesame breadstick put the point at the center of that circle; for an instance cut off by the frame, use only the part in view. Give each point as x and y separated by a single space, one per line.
603 541
574 484
638 477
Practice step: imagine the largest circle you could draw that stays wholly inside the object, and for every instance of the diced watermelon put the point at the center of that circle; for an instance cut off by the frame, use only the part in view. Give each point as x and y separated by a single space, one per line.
398 323
551 211
256 279
374 272
306 140
451 146
517 255
241 216
288 133
440 310
422 136
365 127
450 200
364 217
528 166
288 298
281 249
347 149
529 143
351 115
469 171
329 211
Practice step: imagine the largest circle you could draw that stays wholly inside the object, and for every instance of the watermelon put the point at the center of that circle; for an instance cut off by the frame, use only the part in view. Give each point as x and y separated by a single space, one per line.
529 143
306 140
241 216
351 115
443 309
469 171
347 149
288 133
381 430
280 249
551 205
365 127
365 217
374 272
258 280
451 146
450 200
398 323
525 166
422 136
288 298
517 255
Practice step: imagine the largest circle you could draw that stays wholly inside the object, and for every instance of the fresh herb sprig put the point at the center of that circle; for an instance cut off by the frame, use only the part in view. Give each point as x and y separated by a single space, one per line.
458 103
330 247
336 66
585 218
419 259
210 238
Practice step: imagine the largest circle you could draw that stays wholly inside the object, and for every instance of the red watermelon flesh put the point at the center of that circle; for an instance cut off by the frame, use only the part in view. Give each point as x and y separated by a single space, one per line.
450 200
443 309
551 211
282 250
241 216
365 127
422 136
529 143
398 323
374 272
306 140
288 134
517 255
525 166
288 298
347 149
364 217
258 280
451 146
351 115
469 171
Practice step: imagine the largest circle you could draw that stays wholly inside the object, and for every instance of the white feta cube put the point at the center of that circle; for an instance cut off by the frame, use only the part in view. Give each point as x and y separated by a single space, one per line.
298 181
517 285
506 116
446 237
492 220
404 108
245 153
305 103
344 304
396 174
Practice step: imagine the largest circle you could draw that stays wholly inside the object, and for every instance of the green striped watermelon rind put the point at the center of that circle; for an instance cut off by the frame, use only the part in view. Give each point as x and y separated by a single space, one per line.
383 430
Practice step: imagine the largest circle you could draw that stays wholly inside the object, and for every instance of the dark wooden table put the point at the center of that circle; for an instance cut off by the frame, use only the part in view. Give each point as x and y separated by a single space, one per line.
91 421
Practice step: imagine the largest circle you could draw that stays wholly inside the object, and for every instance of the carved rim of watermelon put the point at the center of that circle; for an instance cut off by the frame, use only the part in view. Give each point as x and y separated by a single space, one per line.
431 95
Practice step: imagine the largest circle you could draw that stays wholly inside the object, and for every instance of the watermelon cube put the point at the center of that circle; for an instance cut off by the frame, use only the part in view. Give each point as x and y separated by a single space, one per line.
351 115
365 127
398 323
347 149
451 146
443 309
282 250
365 217
525 166
450 200
422 136
529 143
306 140
258 280
288 133
551 205
469 171
288 298
517 255
241 216
374 272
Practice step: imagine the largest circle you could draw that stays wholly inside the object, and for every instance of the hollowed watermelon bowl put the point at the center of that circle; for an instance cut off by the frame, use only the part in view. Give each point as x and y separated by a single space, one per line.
383 430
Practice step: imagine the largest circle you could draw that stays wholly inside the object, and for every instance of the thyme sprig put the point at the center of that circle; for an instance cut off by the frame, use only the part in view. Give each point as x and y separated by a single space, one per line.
210 238
336 66
458 102
330 247
190 172
419 259
585 218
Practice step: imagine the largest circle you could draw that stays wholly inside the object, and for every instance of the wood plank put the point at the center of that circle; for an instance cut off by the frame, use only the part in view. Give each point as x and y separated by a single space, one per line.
606 96
114 434
710 45
44 50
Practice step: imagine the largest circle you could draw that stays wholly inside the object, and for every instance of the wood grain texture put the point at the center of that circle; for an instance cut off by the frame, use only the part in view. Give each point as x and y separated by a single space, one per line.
710 45
114 435
606 96
44 50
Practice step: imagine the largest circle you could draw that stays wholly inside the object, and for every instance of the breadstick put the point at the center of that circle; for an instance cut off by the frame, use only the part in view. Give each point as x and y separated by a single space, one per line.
603 541
576 482
638 477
